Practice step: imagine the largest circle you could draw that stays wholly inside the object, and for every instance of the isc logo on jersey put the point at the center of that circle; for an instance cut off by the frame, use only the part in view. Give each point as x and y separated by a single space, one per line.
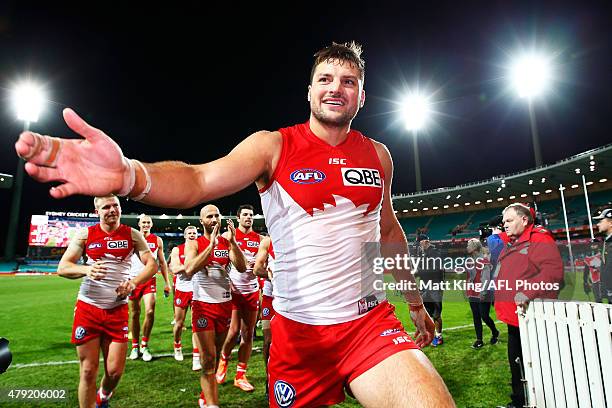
123 244
354 177
151 245
307 176
221 253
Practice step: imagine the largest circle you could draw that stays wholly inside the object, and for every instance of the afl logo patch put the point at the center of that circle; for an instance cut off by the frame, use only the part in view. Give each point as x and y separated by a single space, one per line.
284 393
307 176
79 333
353 177
202 323
265 311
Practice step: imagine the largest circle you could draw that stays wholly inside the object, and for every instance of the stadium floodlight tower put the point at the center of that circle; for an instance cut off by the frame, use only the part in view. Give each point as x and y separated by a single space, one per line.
530 76
28 101
416 111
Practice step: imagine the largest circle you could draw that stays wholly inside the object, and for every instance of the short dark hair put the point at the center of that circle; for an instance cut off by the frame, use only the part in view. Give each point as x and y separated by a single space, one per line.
244 207
348 51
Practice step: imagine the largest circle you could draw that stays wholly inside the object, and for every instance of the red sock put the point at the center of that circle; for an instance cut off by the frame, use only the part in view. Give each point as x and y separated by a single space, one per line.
177 345
144 342
241 370
135 344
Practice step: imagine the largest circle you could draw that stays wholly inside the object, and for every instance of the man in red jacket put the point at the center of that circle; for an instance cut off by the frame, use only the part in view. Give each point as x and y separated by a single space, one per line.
530 267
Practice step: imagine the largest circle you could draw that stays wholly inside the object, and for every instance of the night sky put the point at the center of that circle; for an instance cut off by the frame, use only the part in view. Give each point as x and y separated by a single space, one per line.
189 82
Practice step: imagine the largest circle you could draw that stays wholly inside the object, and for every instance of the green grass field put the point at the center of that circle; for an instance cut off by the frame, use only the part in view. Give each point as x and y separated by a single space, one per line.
36 317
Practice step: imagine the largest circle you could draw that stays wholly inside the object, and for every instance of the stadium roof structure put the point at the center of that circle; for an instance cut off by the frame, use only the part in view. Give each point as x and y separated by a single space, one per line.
6 180
537 184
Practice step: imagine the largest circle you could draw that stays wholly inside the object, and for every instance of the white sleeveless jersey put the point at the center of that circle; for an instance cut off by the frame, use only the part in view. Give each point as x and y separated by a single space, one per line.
246 282
138 266
322 204
183 283
211 284
116 250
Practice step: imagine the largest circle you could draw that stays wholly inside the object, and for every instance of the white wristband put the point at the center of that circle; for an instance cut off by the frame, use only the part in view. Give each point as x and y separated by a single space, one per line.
148 180
128 179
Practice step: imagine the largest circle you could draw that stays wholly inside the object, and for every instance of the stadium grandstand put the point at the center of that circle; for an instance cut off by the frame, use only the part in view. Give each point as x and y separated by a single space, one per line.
449 216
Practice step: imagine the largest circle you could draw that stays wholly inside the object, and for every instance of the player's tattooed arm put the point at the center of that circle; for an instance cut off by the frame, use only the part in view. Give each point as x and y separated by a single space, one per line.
69 267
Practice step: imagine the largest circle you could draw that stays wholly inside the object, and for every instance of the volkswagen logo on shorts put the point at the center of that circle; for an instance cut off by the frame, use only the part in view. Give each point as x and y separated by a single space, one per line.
79 333
178 301
284 393
202 323
307 176
265 311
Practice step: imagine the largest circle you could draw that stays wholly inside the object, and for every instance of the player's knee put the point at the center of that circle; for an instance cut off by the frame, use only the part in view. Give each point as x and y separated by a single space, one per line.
115 373
150 314
246 336
89 372
208 363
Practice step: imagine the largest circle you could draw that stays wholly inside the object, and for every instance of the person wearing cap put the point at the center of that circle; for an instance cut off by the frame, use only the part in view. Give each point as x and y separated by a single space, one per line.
432 275
605 227
530 267
497 239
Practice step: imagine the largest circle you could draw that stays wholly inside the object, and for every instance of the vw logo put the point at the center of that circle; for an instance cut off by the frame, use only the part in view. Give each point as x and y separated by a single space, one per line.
284 393
79 333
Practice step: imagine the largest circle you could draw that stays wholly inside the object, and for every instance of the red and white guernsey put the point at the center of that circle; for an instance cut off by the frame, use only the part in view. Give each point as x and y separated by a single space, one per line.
267 287
138 266
246 282
183 283
321 205
211 284
594 263
115 249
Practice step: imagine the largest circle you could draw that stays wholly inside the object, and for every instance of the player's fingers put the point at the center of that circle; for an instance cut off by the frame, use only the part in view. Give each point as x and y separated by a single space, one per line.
39 149
76 123
42 174
64 190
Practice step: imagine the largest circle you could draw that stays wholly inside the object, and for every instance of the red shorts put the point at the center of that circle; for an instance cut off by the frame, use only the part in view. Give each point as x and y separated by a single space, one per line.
182 299
267 311
261 281
91 322
210 316
144 288
323 359
250 301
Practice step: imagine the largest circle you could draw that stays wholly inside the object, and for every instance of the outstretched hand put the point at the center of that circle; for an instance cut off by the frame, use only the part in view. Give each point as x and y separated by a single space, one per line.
92 166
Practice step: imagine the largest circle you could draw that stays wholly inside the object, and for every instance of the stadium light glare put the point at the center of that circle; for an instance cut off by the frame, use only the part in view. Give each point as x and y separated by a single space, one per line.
500 199
603 180
455 205
543 179
523 195
404 211
467 204
489 200
416 110
476 202
574 185
592 162
425 209
448 197
446 205
530 75
589 183
548 191
530 181
415 209
512 197
458 195
434 208
28 99
535 193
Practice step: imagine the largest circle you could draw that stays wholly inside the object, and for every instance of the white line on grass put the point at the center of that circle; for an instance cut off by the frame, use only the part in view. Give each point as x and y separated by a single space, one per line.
256 349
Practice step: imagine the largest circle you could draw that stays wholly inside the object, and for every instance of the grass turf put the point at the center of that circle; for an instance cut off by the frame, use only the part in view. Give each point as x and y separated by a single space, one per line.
37 318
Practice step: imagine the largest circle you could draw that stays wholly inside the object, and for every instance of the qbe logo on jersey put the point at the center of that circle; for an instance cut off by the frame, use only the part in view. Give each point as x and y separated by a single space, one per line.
359 177
221 253
123 244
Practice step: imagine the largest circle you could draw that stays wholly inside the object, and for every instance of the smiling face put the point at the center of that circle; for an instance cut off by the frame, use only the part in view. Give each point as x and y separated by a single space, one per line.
108 209
336 92
145 224
190 233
